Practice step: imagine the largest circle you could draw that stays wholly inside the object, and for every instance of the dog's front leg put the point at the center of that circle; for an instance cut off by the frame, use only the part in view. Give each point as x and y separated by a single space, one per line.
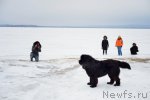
93 82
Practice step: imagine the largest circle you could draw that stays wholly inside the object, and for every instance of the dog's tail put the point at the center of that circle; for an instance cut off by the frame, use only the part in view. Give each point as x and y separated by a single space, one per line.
124 65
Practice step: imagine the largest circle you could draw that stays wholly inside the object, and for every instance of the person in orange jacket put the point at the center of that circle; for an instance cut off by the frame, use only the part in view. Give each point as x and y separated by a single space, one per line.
119 44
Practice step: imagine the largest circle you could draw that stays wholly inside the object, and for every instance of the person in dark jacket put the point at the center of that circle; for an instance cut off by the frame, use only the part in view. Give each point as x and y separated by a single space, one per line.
134 49
105 45
36 48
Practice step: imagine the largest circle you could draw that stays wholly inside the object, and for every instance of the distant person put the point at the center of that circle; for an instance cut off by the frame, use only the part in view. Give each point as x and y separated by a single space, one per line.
36 48
105 45
119 44
134 49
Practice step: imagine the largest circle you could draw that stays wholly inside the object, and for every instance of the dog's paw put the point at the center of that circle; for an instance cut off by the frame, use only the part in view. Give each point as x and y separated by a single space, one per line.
109 83
117 85
93 86
89 83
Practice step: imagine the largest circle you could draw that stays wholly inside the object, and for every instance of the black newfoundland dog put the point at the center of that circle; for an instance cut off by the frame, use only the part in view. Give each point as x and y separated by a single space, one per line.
95 69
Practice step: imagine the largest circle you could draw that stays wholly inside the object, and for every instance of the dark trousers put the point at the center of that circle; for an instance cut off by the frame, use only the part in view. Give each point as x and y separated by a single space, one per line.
35 56
104 52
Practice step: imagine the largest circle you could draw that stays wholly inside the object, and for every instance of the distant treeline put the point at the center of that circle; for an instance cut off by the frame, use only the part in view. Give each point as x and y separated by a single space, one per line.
101 26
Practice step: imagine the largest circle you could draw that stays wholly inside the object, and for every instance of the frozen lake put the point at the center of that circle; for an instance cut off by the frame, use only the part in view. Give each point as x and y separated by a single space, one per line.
58 76
68 42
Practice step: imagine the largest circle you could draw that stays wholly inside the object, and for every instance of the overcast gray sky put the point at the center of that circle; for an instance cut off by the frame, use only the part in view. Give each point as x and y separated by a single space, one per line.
75 12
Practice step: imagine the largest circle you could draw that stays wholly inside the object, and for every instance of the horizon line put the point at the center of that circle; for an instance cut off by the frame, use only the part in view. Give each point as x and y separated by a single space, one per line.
78 26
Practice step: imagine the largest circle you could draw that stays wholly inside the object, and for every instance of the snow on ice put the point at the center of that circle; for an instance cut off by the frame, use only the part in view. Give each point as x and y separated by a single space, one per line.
58 76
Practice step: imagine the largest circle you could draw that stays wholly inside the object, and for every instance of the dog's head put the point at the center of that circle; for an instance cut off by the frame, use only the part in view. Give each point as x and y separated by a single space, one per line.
85 60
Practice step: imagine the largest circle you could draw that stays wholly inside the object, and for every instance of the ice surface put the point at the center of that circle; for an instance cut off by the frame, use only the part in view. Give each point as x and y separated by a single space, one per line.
58 76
